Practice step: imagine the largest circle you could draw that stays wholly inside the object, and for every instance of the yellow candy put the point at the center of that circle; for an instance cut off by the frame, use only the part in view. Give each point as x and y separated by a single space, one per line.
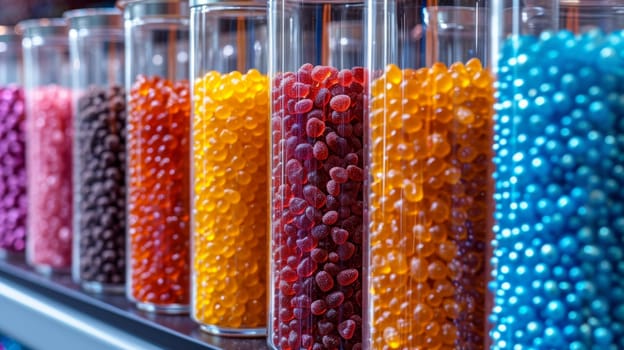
230 131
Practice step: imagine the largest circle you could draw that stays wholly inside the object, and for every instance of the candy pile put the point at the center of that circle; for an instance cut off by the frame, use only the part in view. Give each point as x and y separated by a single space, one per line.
49 163
317 208
13 205
559 249
159 192
100 171
429 206
230 187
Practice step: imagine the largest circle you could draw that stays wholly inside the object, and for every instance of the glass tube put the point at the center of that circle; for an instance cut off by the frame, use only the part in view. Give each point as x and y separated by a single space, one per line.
557 260
158 151
318 98
229 157
99 113
49 143
13 205
430 162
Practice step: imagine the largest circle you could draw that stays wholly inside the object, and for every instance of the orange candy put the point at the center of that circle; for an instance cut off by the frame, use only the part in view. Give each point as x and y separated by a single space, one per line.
430 162
159 191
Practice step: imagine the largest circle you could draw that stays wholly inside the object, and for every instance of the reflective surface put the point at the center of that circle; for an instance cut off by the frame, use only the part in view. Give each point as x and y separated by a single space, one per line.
166 331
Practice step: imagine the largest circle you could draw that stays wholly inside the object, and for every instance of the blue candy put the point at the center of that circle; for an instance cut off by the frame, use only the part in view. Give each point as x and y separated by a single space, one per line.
559 154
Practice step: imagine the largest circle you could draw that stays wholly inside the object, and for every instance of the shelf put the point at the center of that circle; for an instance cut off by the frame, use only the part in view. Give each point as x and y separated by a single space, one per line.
53 313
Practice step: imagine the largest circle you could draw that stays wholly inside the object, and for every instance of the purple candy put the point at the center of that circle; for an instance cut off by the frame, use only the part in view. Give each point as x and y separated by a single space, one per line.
12 170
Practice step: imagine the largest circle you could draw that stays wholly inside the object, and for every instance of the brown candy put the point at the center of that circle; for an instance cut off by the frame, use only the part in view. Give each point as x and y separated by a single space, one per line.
100 162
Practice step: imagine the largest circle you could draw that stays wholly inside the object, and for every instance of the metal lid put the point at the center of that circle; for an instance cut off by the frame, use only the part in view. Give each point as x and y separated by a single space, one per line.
194 3
94 18
9 34
43 26
141 8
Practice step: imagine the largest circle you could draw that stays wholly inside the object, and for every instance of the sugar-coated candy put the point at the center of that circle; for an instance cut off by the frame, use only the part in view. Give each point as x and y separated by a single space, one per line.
317 199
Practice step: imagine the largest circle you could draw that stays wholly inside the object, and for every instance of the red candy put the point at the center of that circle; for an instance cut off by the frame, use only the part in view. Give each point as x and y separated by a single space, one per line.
320 150
322 98
346 277
355 173
303 106
339 235
330 217
345 77
339 175
340 103
320 73
360 75
335 299
319 255
318 307
347 329
317 220
315 127
300 89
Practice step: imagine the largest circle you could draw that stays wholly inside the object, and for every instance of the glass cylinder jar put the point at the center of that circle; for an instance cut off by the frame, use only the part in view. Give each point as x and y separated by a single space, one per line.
430 162
230 124
318 96
10 56
13 204
559 144
99 117
158 175
49 139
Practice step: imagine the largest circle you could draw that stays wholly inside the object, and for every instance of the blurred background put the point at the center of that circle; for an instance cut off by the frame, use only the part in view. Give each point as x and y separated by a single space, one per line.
13 11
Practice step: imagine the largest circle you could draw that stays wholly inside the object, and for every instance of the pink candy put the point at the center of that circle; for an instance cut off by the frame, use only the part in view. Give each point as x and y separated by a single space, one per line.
12 170
49 158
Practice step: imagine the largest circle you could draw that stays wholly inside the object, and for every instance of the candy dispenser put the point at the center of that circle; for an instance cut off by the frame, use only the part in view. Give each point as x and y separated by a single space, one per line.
318 96
158 174
13 205
49 143
559 146
99 117
230 124
430 162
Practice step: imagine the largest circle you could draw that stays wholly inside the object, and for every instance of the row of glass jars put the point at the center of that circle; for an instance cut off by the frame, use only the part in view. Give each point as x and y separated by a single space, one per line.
415 203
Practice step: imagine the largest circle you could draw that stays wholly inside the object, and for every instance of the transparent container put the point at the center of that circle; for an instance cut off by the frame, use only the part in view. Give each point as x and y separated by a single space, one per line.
158 151
10 56
48 96
230 122
318 97
430 162
99 116
559 144
13 204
